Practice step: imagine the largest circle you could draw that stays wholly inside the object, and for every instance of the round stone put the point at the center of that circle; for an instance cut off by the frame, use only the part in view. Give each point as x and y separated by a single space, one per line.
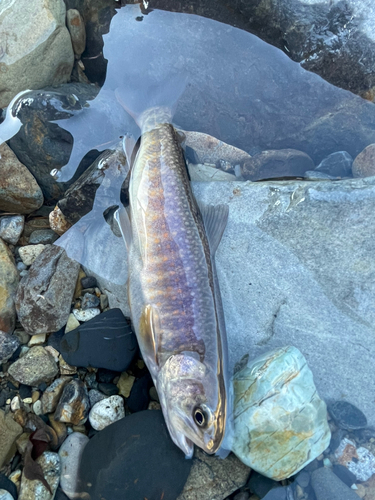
107 411
347 416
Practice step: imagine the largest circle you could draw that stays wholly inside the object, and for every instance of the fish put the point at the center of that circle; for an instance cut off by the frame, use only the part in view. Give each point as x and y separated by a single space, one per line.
174 296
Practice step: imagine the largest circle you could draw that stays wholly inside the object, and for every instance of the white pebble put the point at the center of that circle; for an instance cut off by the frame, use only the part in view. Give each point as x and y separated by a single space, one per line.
87 314
29 253
37 339
15 404
37 407
70 458
106 412
72 323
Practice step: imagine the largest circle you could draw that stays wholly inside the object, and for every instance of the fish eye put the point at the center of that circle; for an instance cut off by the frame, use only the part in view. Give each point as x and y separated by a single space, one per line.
200 417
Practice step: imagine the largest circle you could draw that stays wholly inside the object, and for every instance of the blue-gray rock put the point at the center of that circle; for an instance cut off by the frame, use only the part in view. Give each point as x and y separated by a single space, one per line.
303 478
133 455
105 341
89 282
261 485
8 345
11 227
70 455
344 474
337 164
277 494
42 236
89 300
327 485
347 416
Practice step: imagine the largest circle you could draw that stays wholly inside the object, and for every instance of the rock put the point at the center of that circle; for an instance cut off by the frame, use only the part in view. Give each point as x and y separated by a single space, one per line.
8 286
7 485
115 459
315 175
29 253
36 366
106 341
337 164
9 432
303 478
347 416
275 401
105 375
108 389
11 228
277 494
77 31
73 407
139 396
125 384
52 394
280 163
87 314
66 368
38 55
42 237
212 477
70 457
327 485
89 282
344 474
206 173
364 163
8 345
5 495
34 489
106 412
19 191
72 323
261 485
44 296
89 301
38 339
359 461
58 222
95 396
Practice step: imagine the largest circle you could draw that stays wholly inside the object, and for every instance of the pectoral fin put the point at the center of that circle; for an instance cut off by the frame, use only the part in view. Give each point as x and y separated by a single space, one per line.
149 328
215 218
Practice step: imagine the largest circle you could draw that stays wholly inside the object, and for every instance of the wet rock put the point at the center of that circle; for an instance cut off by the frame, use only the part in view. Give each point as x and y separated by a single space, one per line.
36 366
277 494
279 163
73 407
42 237
5 495
106 341
7 485
39 55
206 173
19 191
108 389
89 282
347 416
89 301
58 222
87 314
59 428
276 401
8 345
105 375
70 458
212 477
11 228
95 396
9 432
34 489
314 175
44 296
71 324
303 478
77 31
113 461
139 397
52 394
261 485
344 474
8 286
337 164
29 253
360 461
125 384
327 485
106 411
38 339
364 163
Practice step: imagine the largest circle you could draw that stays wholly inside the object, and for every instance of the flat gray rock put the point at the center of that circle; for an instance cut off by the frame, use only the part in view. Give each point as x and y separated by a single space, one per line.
296 267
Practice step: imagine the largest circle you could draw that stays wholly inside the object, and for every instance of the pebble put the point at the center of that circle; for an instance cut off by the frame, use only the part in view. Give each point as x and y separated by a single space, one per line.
89 282
291 414
36 366
37 339
139 396
105 375
9 432
338 164
8 345
35 490
106 341
19 191
77 31
103 301
44 297
7 485
108 389
53 393
8 285
364 163
38 408
344 474
120 452
73 407
29 253
347 416
95 396
125 384
327 485
277 494
11 228
89 301
70 458
107 411
360 461
15 403
66 368
261 485
87 314
42 237
277 163
72 323
59 428
58 222
303 478
5 495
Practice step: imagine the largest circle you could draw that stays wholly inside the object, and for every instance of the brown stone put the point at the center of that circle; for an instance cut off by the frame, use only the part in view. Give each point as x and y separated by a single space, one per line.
277 163
9 279
73 407
364 163
9 432
19 191
58 221
52 394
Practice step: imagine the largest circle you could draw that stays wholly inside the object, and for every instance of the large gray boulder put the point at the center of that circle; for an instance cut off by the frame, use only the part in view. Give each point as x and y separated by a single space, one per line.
296 267
36 49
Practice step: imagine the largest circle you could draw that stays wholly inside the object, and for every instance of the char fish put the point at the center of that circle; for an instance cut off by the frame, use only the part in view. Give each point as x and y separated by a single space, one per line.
173 290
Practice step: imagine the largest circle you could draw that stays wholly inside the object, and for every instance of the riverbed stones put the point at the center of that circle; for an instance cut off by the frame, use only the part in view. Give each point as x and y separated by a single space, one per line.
364 163
44 296
9 432
34 489
106 411
74 404
19 191
35 367
11 228
70 458
35 54
52 394
8 286
8 345
133 455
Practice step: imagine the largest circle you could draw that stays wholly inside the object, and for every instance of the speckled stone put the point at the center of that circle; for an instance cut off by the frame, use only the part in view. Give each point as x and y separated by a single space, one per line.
29 253
11 228
8 345
106 411
87 314
52 394
73 407
42 236
34 489
36 366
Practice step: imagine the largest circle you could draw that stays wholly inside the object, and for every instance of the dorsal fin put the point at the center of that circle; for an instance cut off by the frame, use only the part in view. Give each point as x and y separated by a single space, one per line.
215 218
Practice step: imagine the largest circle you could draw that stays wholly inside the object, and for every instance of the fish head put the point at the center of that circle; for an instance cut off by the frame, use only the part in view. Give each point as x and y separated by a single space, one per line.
193 403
